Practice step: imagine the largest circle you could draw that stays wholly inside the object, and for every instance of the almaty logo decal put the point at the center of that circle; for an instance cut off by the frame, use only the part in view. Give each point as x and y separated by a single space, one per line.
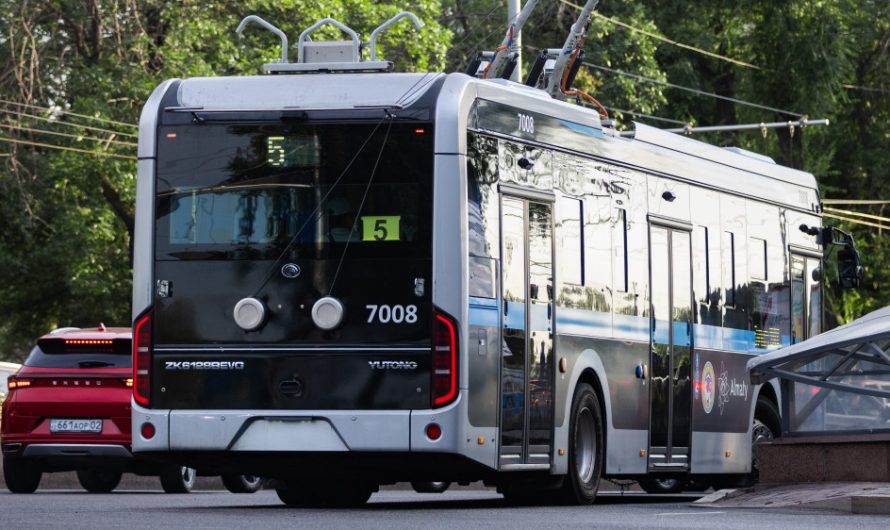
708 381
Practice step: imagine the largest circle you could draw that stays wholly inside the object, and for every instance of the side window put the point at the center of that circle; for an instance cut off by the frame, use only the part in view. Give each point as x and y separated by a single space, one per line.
757 267
621 250
482 215
569 241
729 268
702 265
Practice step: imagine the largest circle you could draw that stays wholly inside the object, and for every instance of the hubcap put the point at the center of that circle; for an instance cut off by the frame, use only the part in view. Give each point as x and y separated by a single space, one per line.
188 475
760 433
585 446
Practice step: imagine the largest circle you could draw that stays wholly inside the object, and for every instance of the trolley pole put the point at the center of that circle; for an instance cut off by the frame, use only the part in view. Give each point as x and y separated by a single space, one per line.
512 13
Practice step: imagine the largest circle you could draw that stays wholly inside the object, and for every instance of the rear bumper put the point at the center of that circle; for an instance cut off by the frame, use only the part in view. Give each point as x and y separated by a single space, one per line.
305 431
70 456
51 451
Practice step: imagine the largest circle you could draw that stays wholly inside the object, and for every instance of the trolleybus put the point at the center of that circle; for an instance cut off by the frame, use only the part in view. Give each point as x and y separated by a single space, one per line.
346 277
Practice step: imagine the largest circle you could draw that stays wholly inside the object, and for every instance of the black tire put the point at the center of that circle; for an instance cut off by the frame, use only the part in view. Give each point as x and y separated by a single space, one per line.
99 480
430 487
338 495
242 483
663 485
177 479
767 427
21 476
585 448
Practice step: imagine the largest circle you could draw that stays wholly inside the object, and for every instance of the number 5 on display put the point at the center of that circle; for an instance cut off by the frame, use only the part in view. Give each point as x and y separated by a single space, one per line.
380 227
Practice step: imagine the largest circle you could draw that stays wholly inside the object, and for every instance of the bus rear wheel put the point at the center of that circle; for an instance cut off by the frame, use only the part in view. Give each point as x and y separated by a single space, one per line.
242 483
585 447
662 485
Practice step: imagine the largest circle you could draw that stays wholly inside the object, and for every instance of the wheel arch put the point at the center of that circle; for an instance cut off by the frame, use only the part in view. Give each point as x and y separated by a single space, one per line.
588 368
770 391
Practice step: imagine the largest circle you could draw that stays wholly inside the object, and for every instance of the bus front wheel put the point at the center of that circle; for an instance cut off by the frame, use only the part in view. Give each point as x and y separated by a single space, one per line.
585 447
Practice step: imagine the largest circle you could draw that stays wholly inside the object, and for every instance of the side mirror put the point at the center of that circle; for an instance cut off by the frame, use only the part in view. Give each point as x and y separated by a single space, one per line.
850 269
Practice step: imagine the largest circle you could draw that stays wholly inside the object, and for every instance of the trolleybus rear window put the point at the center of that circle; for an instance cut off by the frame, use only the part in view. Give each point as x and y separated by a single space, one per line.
252 191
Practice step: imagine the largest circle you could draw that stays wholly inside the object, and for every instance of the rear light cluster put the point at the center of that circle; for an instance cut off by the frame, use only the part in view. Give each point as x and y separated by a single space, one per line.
15 382
445 353
142 351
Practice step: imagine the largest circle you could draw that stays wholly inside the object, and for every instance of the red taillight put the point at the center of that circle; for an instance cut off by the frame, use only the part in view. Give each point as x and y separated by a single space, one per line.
142 360
444 388
147 431
433 431
14 382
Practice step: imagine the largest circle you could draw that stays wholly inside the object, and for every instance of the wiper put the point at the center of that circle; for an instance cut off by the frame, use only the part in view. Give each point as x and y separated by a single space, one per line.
94 364
318 211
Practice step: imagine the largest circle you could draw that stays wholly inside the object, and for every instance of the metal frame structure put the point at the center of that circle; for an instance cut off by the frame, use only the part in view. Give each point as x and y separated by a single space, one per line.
866 340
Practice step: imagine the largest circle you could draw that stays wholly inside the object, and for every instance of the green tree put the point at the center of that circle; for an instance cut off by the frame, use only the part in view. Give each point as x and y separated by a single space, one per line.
66 233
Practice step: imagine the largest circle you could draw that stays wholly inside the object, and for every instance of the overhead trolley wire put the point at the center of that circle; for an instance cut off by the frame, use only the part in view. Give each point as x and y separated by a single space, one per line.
857 221
68 112
692 90
665 39
645 116
67 135
866 89
64 148
855 201
858 214
66 123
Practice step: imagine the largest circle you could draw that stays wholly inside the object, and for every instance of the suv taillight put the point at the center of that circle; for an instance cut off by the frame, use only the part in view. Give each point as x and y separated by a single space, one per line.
444 387
142 359
14 382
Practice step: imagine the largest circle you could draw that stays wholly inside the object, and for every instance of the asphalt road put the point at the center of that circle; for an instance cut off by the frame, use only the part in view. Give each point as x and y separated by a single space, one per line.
391 509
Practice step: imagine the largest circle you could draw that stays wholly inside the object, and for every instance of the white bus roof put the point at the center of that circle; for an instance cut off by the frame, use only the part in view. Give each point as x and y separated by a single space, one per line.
649 149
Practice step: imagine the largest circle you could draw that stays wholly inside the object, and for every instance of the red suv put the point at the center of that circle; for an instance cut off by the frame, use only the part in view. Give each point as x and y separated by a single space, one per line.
68 409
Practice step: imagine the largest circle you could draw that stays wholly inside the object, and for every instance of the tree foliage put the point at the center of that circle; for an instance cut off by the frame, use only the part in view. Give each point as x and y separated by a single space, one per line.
66 232
84 68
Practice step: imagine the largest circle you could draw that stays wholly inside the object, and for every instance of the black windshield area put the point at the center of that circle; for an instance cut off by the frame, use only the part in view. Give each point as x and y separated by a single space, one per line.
249 191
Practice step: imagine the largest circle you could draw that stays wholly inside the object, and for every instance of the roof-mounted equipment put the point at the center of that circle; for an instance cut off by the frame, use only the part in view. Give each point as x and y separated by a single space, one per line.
329 56
569 56
500 63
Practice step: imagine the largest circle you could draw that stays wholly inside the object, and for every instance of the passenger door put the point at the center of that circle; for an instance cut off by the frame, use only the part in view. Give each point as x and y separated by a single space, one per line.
671 347
527 332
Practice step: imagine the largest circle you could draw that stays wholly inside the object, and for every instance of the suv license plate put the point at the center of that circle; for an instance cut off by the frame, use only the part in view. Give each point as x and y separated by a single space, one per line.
75 425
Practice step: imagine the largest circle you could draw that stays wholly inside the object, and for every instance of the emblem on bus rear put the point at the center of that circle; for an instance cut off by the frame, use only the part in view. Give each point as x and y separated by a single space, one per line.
291 270
392 365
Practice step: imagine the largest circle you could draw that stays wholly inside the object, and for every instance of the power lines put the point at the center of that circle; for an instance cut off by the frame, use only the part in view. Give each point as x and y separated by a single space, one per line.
691 90
69 113
21 128
65 148
665 39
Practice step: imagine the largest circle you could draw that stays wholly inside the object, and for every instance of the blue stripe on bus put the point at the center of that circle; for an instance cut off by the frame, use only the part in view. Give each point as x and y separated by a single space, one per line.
485 312
583 129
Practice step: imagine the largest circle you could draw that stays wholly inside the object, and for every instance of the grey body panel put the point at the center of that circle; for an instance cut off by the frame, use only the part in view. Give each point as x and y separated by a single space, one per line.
143 237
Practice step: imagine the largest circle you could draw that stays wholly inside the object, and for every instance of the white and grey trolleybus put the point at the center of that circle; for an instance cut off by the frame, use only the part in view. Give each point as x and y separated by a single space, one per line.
347 277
